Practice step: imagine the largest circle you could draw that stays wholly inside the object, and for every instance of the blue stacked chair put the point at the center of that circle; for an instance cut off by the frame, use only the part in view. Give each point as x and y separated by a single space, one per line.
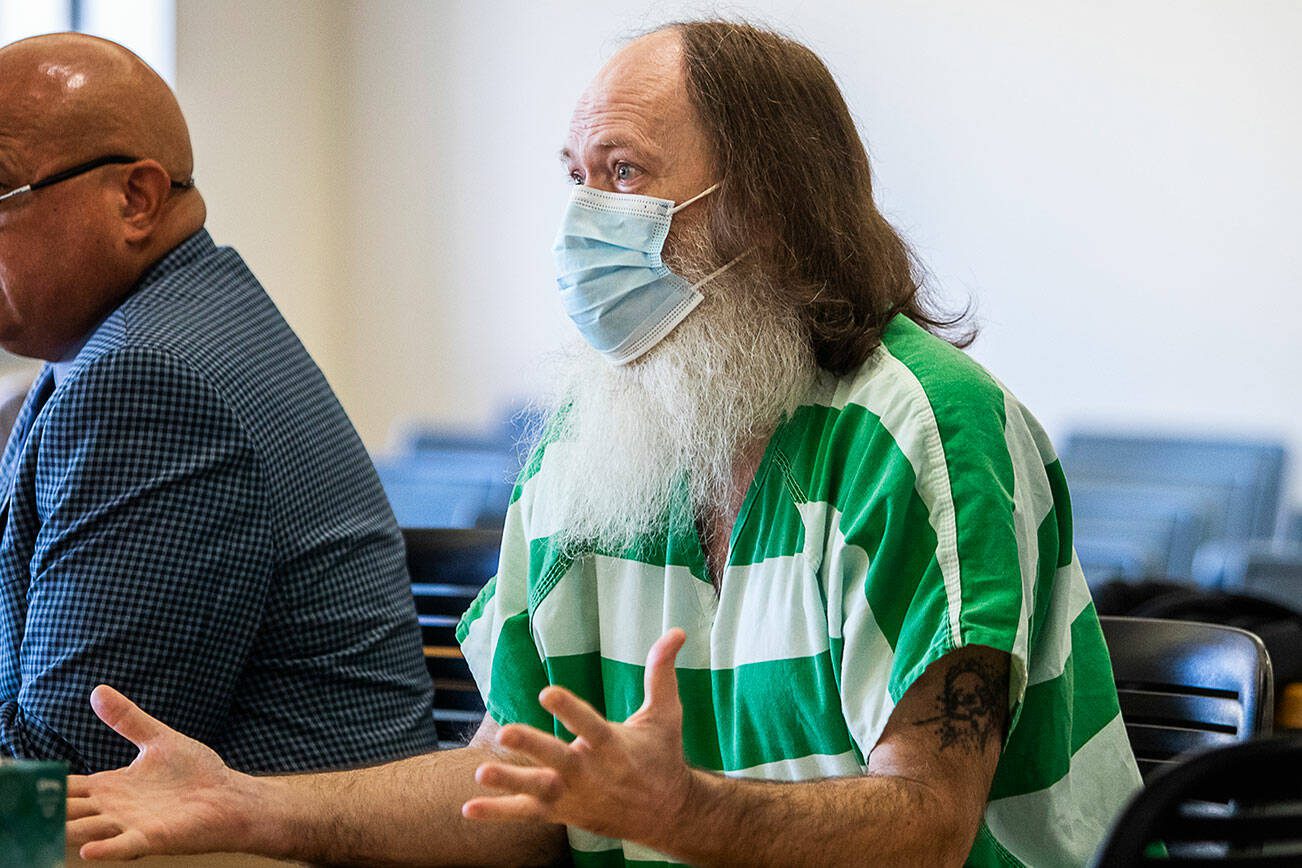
442 478
1136 531
1144 505
1261 568
454 489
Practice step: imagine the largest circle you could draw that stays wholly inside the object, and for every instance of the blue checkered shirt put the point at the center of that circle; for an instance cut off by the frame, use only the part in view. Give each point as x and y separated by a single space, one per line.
193 520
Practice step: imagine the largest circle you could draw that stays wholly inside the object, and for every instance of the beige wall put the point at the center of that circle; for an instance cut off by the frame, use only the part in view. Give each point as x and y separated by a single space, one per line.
410 337
261 86
457 112
1114 184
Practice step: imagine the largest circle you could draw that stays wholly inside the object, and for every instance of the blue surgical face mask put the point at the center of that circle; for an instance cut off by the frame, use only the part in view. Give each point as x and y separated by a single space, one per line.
613 284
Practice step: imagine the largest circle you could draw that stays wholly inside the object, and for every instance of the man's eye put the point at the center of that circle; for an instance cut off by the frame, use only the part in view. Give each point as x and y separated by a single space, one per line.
625 172
576 178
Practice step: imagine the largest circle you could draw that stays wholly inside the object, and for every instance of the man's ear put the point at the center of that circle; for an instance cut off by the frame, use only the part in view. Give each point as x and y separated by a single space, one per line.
145 187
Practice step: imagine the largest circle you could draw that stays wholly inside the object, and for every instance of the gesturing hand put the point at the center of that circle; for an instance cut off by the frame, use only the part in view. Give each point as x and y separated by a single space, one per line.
173 798
619 780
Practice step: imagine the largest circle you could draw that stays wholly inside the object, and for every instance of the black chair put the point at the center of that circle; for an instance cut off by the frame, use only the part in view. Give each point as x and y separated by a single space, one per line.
448 568
1236 805
1185 686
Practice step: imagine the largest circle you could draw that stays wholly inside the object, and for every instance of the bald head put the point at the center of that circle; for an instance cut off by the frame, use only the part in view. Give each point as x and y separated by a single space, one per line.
78 96
70 251
648 68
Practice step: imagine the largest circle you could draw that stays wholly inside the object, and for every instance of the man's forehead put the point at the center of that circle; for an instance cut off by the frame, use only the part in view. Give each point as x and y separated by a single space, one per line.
636 100
60 80
25 68
31 94
29 135
18 116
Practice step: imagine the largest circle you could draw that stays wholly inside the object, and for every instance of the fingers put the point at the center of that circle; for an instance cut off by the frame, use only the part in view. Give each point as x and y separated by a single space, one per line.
542 784
503 808
79 807
534 744
128 845
78 786
578 716
124 716
660 682
93 828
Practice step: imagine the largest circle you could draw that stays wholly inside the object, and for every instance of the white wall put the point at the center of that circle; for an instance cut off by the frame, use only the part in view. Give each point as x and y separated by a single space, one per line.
458 112
1115 184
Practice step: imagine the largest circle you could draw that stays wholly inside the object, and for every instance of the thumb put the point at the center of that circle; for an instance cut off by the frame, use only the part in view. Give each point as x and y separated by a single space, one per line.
124 716
661 680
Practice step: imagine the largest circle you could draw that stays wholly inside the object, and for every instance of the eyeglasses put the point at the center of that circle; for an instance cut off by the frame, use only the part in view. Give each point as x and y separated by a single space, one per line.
68 174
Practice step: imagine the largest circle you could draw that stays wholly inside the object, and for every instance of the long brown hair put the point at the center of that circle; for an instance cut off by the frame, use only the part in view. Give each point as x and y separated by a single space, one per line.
797 190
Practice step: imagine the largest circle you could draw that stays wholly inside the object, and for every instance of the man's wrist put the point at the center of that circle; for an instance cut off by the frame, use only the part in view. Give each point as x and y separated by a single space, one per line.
261 811
695 816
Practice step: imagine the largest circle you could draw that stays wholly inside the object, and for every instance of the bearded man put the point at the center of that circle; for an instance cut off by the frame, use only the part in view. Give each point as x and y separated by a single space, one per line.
788 579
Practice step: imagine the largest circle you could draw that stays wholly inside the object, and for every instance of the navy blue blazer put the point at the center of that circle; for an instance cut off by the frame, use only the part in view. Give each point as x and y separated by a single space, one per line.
193 520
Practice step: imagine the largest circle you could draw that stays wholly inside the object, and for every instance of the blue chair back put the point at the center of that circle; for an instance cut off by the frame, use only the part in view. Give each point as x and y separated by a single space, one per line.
1143 505
440 477
449 489
1136 531
1270 570
1242 479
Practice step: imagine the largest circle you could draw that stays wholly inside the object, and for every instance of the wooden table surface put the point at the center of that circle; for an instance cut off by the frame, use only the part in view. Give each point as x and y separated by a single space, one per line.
211 860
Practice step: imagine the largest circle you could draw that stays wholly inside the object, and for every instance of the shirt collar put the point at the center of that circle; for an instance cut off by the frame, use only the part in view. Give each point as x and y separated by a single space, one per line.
61 368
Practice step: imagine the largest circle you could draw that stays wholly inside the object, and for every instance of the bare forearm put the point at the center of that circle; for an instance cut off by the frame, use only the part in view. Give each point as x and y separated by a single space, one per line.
888 820
402 813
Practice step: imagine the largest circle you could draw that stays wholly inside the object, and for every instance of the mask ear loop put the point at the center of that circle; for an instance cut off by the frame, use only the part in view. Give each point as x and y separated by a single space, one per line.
721 269
701 195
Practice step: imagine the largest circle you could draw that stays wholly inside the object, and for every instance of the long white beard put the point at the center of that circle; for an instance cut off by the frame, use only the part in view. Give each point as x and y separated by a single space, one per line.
675 420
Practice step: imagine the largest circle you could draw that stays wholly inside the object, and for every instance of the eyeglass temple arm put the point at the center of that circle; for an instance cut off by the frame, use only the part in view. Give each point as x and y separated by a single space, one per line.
110 160
17 191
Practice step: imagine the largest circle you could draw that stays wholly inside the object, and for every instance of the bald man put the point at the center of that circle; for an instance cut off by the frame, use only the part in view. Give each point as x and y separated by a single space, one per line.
188 510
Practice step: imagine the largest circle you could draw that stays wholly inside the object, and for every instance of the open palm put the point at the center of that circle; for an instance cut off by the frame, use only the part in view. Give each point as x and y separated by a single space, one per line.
175 797
622 780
